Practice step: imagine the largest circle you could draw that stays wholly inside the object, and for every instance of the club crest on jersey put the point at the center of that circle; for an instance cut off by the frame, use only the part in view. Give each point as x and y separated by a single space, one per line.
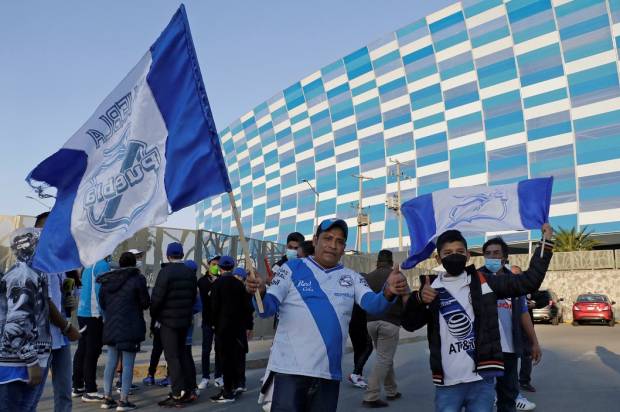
122 185
346 281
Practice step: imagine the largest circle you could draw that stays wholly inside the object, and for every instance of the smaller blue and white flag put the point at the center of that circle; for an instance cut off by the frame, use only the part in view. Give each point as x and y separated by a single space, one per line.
475 210
150 148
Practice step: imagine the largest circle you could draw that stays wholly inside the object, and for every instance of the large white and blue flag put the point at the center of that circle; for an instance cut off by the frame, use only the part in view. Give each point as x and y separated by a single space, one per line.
475 210
151 148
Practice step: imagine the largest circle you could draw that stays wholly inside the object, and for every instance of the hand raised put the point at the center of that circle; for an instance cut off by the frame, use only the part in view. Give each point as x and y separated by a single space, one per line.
428 294
397 283
547 231
254 283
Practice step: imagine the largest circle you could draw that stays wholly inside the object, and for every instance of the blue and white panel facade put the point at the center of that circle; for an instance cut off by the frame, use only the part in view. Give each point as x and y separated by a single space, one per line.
481 92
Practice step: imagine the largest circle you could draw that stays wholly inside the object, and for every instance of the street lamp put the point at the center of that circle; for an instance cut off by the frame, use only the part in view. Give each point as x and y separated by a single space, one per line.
316 205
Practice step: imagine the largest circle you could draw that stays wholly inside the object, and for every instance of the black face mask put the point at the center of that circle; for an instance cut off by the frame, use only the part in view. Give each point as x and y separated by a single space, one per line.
454 264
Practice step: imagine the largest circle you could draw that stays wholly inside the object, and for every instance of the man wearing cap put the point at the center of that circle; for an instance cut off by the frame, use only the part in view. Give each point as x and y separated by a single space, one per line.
229 309
172 301
204 285
315 297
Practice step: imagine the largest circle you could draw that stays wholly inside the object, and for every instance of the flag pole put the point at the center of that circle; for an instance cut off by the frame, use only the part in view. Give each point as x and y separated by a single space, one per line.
245 248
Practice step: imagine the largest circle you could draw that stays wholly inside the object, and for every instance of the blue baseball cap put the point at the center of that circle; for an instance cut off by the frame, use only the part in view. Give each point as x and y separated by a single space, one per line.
226 263
191 264
241 272
174 249
330 223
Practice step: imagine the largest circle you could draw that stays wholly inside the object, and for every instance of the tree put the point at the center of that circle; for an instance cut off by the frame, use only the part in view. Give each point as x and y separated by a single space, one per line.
572 240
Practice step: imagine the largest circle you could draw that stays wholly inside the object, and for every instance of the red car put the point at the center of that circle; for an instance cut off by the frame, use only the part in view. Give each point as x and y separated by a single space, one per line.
593 307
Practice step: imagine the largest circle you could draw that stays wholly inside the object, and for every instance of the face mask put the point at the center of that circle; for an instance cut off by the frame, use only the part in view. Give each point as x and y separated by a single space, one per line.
494 265
140 264
291 254
214 270
454 264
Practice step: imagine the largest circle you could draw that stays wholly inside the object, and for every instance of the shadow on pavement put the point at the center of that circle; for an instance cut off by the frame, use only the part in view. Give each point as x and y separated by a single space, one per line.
609 358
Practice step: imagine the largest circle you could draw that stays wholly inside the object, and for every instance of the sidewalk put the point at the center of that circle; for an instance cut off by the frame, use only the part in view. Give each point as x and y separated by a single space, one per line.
257 356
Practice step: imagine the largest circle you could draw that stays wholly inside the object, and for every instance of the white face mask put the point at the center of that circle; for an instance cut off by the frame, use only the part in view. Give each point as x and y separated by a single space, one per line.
140 264
291 254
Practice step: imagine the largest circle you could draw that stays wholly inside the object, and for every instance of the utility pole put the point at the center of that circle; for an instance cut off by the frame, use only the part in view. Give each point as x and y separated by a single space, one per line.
316 205
362 218
394 204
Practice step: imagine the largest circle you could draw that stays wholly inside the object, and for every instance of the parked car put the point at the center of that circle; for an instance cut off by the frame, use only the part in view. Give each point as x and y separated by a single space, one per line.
549 307
593 307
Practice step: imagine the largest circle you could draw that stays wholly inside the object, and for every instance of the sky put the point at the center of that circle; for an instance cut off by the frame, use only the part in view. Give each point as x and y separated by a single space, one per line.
60 59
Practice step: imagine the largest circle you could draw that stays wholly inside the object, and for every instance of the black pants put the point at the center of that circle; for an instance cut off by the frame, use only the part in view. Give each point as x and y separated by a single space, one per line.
362 346
173 341
190 373
155 352
525 373
87 354
242 359
296 393
231 352
208 338
507 386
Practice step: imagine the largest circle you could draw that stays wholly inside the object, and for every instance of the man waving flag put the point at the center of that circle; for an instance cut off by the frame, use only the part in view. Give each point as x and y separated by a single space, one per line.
150 149
478 209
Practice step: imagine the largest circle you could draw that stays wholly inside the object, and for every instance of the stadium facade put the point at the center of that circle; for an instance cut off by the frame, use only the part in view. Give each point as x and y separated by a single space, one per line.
481 92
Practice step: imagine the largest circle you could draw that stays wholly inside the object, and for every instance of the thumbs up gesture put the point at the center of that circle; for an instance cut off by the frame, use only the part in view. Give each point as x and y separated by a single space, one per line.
428 293
396 284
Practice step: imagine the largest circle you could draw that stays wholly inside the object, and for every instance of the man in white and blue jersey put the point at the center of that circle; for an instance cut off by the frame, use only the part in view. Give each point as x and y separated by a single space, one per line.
314 297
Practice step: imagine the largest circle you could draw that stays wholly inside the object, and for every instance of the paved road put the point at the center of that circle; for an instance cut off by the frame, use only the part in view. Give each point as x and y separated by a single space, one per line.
580 371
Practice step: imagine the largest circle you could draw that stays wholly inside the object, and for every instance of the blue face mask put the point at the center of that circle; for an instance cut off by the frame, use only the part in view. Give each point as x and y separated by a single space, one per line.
291 254
494 265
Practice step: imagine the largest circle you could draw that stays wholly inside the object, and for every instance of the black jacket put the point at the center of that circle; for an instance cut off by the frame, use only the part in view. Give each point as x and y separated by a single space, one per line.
123 298
204 286
173 296
376 280
517 311
488 353
231 308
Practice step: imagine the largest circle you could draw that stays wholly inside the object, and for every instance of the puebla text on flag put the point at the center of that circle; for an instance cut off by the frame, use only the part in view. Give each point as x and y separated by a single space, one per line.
475 210
150 148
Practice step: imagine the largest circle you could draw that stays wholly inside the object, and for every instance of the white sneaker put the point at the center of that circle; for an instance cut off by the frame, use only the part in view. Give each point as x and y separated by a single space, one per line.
523 404
267 407
219 382
358 381
204 384
240 389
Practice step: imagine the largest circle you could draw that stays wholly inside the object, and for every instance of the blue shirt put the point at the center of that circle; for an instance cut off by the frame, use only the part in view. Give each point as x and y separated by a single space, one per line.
315 306
89 295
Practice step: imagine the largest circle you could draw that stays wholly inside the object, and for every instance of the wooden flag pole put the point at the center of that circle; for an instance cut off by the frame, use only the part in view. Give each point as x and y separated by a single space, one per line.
245 248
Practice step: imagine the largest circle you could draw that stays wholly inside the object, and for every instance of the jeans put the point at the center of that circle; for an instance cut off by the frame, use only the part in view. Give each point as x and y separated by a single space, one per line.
60 365
87 354
110 371
19 396
475 396
525 373
155 352
385 338
296 393
173 341
507 386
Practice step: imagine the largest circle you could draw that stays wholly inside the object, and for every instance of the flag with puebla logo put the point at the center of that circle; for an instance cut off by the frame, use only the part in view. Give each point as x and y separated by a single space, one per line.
151 148
518 206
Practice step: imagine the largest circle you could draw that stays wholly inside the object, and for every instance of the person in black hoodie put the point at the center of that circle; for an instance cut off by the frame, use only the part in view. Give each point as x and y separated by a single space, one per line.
172 301
229 312
123 298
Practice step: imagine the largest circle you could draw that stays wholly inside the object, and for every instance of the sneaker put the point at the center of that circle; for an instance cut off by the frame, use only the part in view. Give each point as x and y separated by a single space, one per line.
358 381
267 407
394 397
375 404
523 404
527 387
77 392
148 381
188 397
222 398
218 382
125 406
240 389
108 403
204 384
171 402
163 382
92 397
